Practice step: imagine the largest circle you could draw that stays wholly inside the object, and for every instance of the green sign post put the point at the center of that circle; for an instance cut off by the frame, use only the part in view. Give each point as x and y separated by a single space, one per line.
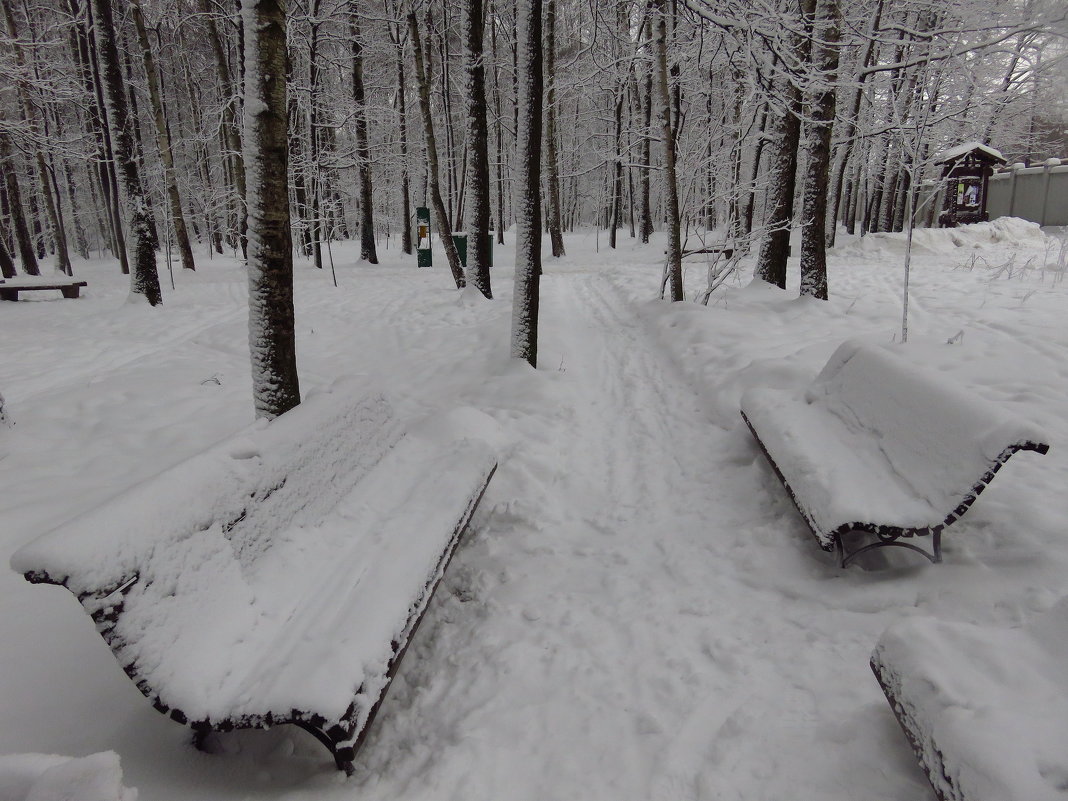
423 256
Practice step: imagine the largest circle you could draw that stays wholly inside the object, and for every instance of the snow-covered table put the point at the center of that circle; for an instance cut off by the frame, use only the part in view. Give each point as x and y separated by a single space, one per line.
985 709
279 576
878 445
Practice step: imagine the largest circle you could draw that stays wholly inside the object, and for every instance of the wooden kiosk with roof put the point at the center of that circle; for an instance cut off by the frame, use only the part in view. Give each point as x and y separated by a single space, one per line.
966 169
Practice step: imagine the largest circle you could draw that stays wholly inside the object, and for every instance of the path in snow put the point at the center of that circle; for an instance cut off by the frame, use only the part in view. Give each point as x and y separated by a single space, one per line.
616 630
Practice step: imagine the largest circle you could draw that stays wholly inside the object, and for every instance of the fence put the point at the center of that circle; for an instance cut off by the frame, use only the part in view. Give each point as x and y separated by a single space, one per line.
1038 194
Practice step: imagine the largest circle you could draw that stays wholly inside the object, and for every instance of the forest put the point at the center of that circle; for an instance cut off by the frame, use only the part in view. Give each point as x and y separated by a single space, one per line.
121 121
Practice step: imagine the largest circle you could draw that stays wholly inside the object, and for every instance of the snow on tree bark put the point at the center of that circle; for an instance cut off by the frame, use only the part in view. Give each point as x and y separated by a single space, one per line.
671 186
7 265
31 119
526 299
552 158
368 251
817 180
478 180
272 342
163 139
144 280
23 240
786 133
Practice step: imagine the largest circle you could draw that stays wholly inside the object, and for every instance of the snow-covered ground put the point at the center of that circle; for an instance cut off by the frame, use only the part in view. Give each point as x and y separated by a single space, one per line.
638 612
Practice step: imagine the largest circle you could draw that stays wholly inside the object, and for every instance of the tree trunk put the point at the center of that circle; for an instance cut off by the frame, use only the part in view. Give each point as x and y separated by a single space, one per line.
95 58
786 131
645 211
821 120
479 243
552 157
272 343
23 239
144 278
526 300
7 266
434 185
230 129
368 251
163 139
402 125
59 237
673 266
498 127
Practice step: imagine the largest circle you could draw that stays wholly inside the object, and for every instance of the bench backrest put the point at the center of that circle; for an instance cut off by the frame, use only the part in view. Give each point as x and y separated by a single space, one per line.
291 471
938 438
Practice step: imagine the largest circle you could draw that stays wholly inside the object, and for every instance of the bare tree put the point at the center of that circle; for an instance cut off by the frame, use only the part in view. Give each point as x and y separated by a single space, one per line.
368 251
272 341
526 300
673 263
479 244
821 118
441 216
144 280
163 138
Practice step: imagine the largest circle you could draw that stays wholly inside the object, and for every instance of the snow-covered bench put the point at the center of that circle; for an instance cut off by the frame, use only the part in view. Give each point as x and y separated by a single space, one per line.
10 287
279 576
985 709
878 445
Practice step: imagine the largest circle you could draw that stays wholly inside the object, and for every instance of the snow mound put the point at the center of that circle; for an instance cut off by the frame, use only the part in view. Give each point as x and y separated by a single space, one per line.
47 777
1011 231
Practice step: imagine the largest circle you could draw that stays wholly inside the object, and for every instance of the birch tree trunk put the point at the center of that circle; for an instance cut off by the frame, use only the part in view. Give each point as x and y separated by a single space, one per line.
368 251
272 343
163 139
526 300
144 280
479 244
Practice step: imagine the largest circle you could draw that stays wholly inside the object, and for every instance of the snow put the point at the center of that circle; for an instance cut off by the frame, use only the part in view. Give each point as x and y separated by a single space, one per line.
638 611
992 701
956 152
47 777
876 440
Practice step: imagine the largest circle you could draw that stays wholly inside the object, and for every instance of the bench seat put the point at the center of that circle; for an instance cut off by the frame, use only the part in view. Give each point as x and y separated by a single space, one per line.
878 445
985 709
279 576
10 287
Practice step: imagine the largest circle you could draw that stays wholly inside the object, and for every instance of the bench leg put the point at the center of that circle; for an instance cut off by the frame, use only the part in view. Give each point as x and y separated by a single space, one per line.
70 291
934 555
9 294
343 756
